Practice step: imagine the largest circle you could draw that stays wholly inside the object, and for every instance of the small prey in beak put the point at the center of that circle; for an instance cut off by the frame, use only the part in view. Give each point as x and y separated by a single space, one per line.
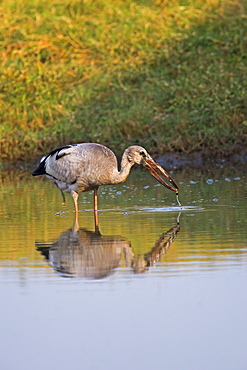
156 170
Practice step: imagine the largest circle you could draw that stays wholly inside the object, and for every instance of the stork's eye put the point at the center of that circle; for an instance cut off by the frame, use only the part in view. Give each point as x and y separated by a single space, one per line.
143 154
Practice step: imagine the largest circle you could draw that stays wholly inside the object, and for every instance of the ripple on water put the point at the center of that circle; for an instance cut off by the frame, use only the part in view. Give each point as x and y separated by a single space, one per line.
154 209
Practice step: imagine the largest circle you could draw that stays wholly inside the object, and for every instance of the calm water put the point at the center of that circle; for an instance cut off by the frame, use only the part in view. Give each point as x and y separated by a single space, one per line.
160 287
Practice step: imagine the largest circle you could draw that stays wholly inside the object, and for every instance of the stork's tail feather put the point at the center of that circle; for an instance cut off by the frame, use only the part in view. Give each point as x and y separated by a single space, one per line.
40 170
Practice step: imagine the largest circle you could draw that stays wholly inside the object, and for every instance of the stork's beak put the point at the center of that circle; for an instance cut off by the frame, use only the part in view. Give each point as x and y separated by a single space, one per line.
155 169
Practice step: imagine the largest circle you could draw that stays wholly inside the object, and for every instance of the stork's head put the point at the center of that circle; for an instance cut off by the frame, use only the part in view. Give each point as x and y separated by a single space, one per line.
139 155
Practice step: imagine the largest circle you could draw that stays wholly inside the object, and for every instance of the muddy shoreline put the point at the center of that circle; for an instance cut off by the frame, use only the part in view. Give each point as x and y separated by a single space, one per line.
199 160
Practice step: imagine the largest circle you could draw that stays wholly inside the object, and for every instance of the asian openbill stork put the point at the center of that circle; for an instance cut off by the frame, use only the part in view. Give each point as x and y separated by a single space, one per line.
82 167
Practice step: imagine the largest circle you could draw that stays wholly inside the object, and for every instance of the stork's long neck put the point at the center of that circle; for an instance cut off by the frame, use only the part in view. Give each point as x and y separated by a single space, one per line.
124 170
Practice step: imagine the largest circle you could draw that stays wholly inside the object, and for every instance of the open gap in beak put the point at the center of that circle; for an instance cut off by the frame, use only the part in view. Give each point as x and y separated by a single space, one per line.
156 170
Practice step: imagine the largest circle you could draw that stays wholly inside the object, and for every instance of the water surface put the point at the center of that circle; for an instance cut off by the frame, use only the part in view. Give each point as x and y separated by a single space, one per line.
160 286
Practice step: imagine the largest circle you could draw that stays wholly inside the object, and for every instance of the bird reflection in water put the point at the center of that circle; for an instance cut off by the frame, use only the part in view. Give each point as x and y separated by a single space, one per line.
80 253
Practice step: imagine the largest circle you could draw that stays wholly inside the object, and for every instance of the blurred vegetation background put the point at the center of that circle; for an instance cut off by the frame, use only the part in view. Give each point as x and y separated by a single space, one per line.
169 75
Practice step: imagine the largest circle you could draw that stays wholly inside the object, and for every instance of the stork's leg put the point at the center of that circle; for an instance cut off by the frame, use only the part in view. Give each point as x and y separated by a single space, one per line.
96 221
63 196
75 227
75 197
60 191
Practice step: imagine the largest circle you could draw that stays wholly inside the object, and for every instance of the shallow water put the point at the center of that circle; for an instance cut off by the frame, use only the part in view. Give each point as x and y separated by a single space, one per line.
161 286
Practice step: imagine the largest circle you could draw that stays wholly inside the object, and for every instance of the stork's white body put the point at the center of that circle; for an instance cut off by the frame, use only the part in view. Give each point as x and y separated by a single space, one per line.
82 167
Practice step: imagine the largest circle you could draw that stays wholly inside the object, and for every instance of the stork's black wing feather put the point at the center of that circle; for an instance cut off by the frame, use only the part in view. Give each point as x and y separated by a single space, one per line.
40 170
57 150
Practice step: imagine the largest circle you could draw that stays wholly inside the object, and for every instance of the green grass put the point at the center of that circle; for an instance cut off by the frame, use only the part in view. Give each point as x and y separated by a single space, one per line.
168 75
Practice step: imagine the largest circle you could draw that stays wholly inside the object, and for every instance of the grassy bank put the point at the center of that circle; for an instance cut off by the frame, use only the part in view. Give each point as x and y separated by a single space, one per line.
168 75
